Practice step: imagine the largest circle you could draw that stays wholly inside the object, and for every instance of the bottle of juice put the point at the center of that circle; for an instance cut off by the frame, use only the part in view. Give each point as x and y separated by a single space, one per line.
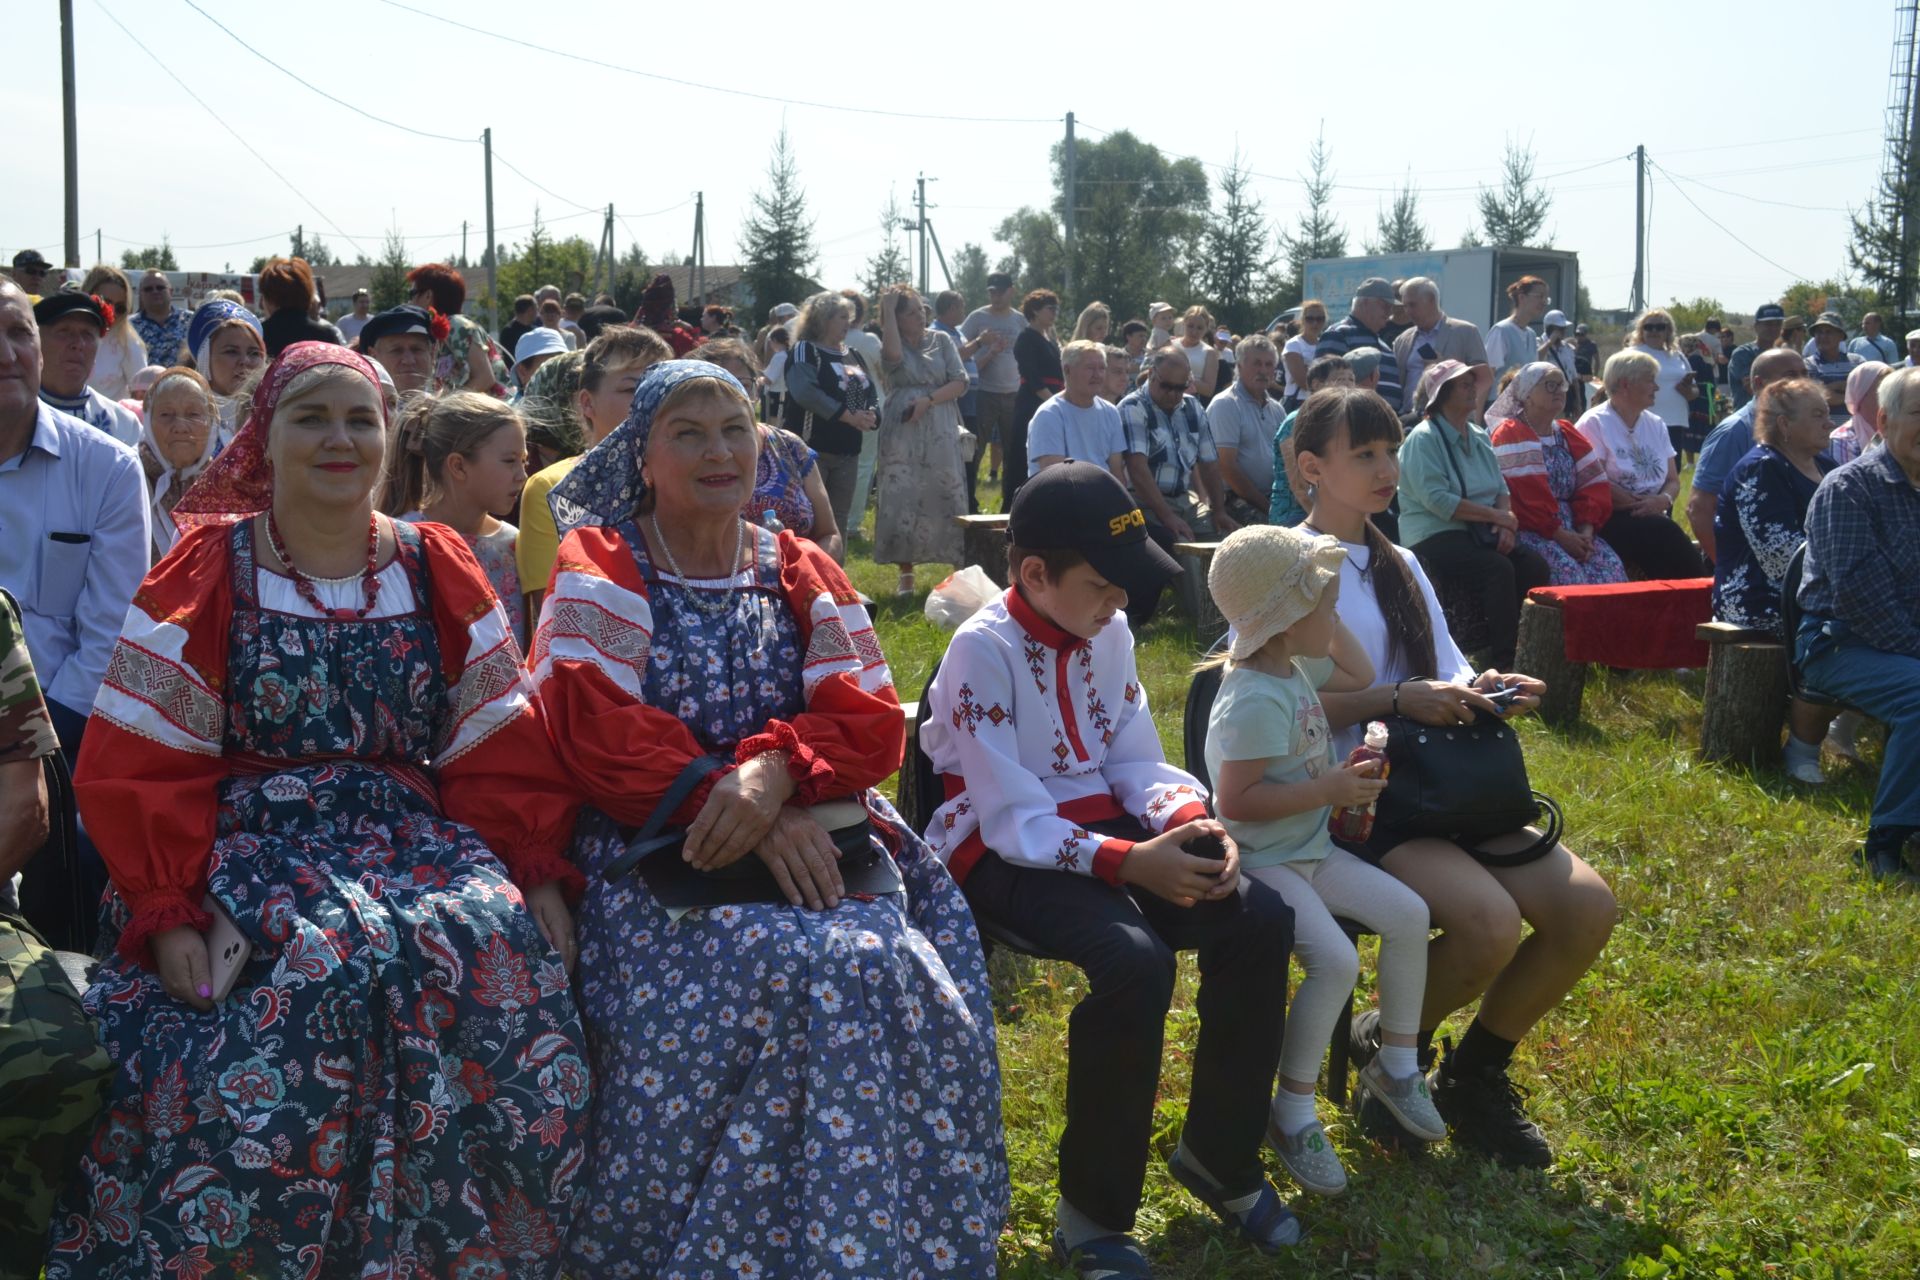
1352 824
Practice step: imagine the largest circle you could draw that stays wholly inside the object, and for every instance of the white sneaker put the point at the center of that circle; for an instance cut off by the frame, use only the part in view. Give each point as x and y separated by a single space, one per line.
1843 734
1807 771
1408 1098
1310 1158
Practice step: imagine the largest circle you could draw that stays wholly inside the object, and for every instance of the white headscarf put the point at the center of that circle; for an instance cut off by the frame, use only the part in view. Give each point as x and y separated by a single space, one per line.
164 531
1512 402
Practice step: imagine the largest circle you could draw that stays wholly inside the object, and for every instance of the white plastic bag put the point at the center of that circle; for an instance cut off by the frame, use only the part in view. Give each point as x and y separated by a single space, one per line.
960 596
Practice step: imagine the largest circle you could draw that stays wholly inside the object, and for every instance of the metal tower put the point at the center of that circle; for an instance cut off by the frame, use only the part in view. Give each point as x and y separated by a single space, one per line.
1900 165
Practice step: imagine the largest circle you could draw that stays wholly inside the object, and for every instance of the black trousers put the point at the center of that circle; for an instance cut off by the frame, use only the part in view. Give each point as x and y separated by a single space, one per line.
1653 547
970 467
1013 449
1125 943
1497 583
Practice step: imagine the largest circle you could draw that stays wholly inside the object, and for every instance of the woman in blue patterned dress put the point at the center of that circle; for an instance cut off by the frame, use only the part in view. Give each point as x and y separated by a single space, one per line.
803 1083
352 771
1761 521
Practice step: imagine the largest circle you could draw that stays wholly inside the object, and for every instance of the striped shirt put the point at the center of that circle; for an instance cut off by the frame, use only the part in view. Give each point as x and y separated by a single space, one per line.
1350 334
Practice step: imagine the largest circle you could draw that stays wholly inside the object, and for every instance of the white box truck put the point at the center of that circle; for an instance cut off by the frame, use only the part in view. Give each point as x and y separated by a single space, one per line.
1472 281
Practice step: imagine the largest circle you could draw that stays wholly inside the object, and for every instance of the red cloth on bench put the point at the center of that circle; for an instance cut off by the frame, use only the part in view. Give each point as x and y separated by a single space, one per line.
1649 625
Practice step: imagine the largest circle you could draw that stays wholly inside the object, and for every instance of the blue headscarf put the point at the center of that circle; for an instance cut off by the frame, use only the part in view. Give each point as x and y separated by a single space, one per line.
604 488
211 316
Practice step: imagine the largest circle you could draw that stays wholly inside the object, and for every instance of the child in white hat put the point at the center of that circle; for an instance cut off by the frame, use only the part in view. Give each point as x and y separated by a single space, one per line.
1276 782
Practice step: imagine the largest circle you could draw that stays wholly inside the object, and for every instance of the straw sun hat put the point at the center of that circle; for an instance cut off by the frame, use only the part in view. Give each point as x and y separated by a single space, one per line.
1265 578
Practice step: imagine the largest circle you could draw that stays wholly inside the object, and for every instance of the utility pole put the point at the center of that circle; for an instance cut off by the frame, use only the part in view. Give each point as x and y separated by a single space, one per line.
300 240
463 242
1067 282
697 276
99 254
68 117
943 257
1639 227
921 227
493 286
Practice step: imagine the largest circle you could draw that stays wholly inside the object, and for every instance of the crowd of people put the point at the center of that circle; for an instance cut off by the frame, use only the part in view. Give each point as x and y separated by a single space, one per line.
475 740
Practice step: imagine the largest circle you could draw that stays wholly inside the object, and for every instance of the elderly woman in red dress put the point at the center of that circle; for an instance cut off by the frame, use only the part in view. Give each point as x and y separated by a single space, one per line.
787 1007
316 733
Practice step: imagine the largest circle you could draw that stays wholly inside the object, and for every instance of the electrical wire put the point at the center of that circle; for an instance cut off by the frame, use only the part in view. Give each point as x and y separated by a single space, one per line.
1296 179
224 244
514 168
714 88
1741 195
296 78
1723 229
264 162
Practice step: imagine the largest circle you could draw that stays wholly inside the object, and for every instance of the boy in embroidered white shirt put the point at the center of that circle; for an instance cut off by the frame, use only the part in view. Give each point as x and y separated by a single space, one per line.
1065 825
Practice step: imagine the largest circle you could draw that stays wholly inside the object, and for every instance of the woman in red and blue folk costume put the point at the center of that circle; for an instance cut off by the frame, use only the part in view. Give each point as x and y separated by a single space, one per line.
316 724
791 1036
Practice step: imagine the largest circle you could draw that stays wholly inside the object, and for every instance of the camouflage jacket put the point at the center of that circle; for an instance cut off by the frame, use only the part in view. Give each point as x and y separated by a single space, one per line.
25 731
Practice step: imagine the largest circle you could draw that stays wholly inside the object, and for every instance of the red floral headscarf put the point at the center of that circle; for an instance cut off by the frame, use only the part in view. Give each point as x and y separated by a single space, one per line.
239 483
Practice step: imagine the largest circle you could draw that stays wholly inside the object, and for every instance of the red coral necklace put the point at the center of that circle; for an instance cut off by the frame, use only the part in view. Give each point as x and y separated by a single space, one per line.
369 580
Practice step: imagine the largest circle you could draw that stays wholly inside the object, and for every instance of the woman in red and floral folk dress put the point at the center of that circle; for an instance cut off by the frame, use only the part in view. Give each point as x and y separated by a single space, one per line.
316 730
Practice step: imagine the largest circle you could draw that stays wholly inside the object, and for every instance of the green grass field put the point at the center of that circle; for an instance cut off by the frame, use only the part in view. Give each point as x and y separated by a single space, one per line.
1727 1091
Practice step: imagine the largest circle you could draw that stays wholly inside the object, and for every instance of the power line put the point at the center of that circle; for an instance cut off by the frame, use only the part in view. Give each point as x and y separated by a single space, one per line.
714 88
225 244
1297 180
296 78
264 162
1723 229
1741 195
512 167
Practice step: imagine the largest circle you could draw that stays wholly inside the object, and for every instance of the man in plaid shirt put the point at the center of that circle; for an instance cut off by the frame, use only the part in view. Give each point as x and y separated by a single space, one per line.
1859 634
1170 451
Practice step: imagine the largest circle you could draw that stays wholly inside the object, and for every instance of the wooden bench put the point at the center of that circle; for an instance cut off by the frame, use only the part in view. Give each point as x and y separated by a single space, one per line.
983 541
1195 599
1649 625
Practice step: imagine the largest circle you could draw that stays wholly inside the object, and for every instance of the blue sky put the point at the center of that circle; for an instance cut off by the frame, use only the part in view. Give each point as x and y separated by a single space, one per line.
1769 134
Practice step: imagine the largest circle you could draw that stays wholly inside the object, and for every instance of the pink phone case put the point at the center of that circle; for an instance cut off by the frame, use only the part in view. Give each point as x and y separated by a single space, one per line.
227 950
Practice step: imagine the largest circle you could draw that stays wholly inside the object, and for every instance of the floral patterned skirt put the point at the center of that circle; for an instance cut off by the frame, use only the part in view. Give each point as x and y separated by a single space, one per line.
1601 567
785 1093
394 1088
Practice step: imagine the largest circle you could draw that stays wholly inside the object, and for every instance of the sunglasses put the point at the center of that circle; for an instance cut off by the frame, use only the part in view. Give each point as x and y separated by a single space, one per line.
1173 387
1655 328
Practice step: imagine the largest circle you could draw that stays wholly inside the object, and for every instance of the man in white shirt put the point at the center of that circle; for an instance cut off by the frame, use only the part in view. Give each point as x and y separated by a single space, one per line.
70 325
73 527
1077 423
1871 344
998 323
1244 420
351 325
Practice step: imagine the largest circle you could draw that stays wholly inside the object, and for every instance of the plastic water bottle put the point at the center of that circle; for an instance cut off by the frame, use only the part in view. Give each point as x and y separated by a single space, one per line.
771 522
1355 824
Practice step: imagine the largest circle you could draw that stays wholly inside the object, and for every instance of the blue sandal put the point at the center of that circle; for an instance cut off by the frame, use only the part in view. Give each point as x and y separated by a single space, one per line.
1267 1224
1115 1257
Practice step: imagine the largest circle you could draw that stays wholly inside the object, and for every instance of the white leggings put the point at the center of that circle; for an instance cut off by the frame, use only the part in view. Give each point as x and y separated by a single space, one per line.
1341 884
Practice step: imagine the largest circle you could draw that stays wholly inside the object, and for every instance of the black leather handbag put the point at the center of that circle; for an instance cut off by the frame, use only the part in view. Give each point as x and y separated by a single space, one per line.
1466 783
653 852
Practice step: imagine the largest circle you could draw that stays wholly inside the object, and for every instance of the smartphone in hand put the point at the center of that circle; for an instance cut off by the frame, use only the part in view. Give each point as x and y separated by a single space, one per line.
227 949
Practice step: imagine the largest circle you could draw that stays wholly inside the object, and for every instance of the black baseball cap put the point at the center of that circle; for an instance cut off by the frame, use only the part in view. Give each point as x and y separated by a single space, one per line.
29 260
999 280
1079 506
402 319
68 302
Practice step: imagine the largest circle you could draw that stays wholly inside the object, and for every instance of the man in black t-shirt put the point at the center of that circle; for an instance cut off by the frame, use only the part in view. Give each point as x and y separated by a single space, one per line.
526 318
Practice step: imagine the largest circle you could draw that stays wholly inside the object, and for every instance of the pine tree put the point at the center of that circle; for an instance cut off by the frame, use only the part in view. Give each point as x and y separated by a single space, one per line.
158 257
1400 229
777 242
389 282
1884 246
1515 213
1318 233
1236 262
890 266
970 274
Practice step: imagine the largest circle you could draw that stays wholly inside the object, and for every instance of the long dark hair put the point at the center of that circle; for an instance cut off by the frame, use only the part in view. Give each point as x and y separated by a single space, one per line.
1367 419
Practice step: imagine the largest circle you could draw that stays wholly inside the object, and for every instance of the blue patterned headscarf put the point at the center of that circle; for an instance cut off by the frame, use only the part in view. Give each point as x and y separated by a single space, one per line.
211 316
604 488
